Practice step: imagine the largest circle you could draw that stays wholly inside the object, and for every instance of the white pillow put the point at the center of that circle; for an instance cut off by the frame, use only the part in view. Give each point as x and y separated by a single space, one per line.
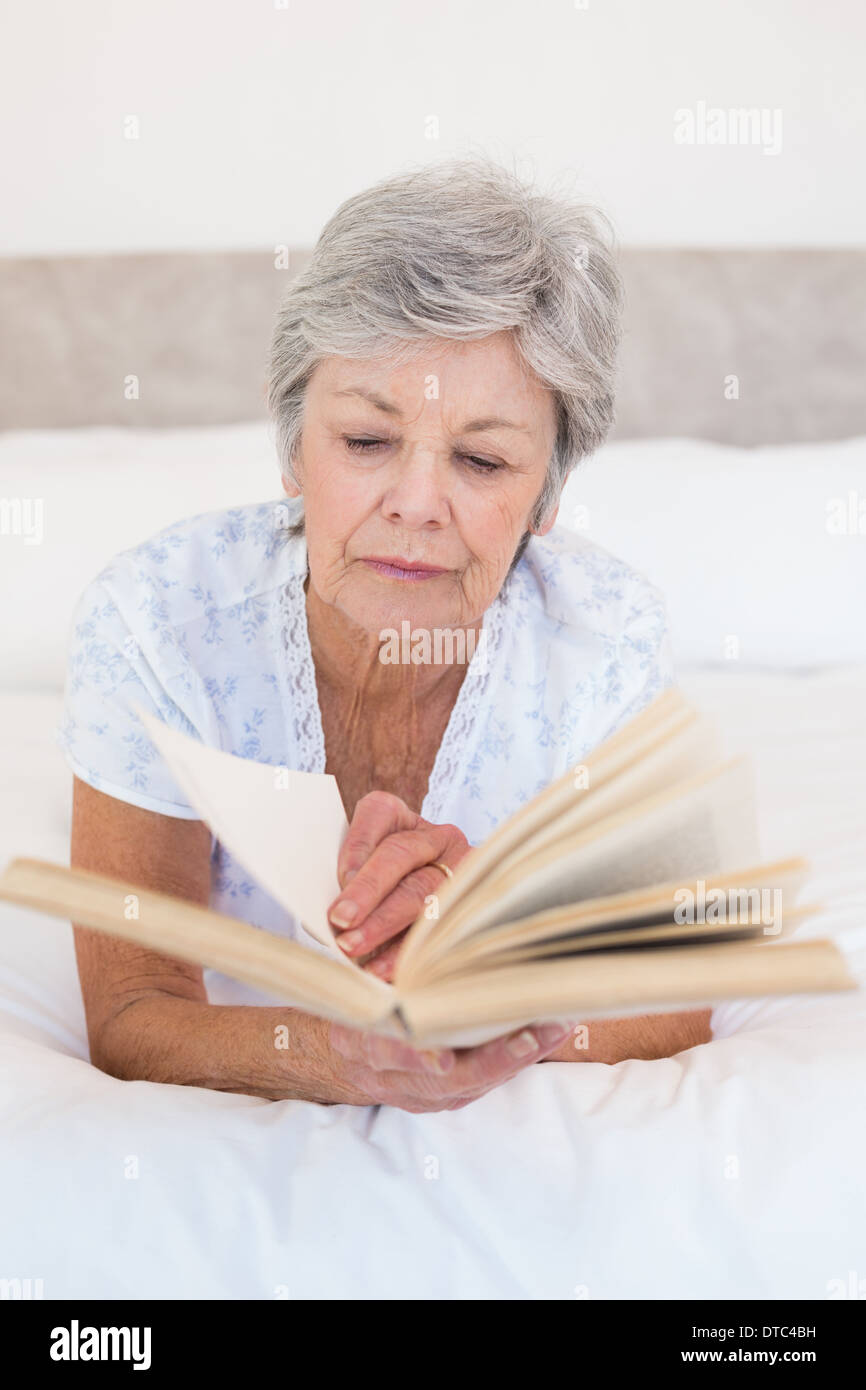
98 491
737 539
761 553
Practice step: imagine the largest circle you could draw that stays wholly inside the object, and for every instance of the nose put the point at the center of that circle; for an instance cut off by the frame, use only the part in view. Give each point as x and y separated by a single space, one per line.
418 494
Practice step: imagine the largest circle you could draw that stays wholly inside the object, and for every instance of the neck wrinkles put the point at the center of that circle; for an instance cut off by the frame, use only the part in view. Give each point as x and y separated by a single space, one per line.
349 660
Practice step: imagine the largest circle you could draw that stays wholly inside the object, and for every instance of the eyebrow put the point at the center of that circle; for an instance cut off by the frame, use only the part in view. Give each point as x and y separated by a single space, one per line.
488 422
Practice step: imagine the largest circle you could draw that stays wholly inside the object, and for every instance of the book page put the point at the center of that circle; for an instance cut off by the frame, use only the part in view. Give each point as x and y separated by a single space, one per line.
285 827
668 716
290 973
763 895
698 827
466 1011
688 751
587 801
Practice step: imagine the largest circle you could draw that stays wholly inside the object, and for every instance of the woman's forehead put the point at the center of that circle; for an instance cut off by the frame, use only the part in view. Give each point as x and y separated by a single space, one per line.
485 376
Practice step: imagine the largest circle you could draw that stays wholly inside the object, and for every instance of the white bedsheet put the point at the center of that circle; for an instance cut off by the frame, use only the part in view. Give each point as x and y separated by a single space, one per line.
733 1170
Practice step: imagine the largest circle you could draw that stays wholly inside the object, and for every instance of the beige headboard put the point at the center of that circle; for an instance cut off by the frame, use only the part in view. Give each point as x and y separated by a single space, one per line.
193 329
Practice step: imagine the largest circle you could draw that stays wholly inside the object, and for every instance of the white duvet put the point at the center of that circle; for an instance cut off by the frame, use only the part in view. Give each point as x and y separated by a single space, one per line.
734 1170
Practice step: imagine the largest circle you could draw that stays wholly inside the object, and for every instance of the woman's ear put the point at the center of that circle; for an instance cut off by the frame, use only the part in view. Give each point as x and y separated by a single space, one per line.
543 528
289 476
291 486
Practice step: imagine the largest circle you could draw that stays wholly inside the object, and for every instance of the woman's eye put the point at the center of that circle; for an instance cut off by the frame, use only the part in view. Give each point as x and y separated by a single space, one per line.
363 446
358 445
482 465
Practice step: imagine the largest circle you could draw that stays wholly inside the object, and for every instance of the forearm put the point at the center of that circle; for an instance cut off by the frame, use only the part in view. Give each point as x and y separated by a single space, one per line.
643 1036
276 1053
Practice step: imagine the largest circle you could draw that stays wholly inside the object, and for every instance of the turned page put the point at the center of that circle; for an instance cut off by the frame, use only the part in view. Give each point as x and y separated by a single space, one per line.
285 827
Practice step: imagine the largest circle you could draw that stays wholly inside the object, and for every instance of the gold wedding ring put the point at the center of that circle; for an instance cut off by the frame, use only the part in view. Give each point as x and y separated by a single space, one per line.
437 864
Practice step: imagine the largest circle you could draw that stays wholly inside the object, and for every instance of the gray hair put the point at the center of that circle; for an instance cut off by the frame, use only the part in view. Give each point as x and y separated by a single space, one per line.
459 249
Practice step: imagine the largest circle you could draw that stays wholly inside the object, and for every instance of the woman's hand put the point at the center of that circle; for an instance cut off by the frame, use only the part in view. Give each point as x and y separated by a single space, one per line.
386 874
383 1071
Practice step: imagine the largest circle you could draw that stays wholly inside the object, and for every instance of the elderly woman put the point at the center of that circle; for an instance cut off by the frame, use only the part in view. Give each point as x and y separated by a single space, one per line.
442 364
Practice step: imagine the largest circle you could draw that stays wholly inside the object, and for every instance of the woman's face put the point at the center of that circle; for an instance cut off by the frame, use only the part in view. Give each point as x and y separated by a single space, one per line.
437 462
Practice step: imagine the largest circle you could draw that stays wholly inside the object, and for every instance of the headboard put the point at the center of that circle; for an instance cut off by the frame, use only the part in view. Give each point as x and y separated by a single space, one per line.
741 346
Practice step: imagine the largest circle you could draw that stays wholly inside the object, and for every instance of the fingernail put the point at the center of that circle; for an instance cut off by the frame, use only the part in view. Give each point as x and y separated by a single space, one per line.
345 912
551 1033
439 1062
349 940
523 1045
349 875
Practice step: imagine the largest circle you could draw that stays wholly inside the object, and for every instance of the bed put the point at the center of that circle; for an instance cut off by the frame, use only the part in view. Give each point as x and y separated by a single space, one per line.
733 1170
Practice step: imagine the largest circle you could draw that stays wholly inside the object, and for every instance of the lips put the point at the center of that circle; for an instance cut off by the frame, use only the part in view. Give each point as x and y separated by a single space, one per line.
398 567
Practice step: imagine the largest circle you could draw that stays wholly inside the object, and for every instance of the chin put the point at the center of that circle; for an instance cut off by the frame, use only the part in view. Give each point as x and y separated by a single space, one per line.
375 610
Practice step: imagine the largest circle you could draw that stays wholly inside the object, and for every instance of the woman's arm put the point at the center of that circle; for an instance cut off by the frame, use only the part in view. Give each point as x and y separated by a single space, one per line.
149 1019
643 1036
148 1016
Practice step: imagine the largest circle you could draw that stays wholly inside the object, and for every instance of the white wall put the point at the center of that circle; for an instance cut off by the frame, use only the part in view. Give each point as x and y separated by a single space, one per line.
256 121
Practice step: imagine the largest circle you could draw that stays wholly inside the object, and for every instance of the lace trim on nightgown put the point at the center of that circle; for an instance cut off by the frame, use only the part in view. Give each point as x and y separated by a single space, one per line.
304 700
457 739
301 679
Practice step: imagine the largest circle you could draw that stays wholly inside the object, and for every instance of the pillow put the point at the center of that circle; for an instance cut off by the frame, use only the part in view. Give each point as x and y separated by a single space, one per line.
74 498
757 551
761 553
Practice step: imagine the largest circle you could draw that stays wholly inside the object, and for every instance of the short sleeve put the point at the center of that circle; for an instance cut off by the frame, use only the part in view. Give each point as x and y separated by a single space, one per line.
112 670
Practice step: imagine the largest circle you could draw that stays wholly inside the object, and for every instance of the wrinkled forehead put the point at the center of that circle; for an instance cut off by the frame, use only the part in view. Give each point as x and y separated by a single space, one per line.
463 383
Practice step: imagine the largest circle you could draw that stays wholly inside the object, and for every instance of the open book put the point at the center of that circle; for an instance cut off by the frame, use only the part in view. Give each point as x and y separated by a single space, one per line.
630 885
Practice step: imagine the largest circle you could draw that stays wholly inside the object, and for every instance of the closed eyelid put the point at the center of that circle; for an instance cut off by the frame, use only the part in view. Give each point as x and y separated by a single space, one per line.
361 444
